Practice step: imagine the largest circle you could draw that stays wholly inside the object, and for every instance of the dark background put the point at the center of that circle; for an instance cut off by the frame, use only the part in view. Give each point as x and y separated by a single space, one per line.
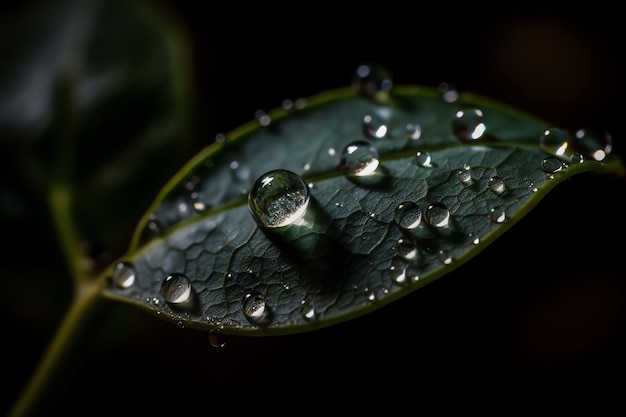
535 322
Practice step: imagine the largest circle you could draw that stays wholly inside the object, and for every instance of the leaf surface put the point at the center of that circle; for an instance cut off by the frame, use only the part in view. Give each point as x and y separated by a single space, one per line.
388 191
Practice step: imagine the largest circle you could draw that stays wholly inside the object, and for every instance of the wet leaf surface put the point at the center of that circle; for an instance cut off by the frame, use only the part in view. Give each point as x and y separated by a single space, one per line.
327 210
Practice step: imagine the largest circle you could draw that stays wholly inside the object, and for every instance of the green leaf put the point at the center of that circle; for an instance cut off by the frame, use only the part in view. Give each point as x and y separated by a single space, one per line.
218 251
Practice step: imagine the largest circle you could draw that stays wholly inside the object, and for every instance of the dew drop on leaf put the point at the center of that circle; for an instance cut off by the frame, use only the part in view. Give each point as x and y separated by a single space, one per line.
465 175
424 160
496 184
177 290
406 249
278 198
437 215
124 275
408 215
374 127
255 309
413 131
497 215
551 164
359 159
468 125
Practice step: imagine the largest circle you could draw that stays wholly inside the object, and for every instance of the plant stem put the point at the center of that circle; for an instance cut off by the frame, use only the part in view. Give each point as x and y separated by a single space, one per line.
50 374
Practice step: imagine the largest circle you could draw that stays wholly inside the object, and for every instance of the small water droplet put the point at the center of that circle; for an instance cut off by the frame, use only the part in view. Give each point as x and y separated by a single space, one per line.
307 311
437 215
406 249
255 309
551 164
497 215
444 257
496 184
372 79
468 125
413 131
424 160
124 275
403 275
279 198
465 175
177 290
408 215
594 144
374 127
359 158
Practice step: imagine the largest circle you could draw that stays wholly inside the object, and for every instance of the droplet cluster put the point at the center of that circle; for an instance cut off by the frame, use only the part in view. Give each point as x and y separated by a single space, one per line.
423 227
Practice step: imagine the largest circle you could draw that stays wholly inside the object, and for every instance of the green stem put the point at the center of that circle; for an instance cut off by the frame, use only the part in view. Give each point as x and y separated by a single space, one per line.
40 391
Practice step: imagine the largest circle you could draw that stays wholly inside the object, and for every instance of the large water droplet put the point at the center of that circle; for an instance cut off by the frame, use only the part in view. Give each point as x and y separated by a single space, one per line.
124 275
177 291
468 125
255 309
372 79
279 198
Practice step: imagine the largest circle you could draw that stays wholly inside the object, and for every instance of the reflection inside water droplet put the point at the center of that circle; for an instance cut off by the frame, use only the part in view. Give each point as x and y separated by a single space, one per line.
279 198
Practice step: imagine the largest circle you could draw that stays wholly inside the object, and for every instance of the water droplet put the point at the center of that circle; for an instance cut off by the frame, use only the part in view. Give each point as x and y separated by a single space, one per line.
372 79
408 215
465 175
307 311
177 290
403 275
124 275
359 158
255 309
497 215
406 249
279 198
551 164
448 92
217 338
468 125
424 160
496 184
374 127
593 144
555 141
413 131
444 257
437 215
